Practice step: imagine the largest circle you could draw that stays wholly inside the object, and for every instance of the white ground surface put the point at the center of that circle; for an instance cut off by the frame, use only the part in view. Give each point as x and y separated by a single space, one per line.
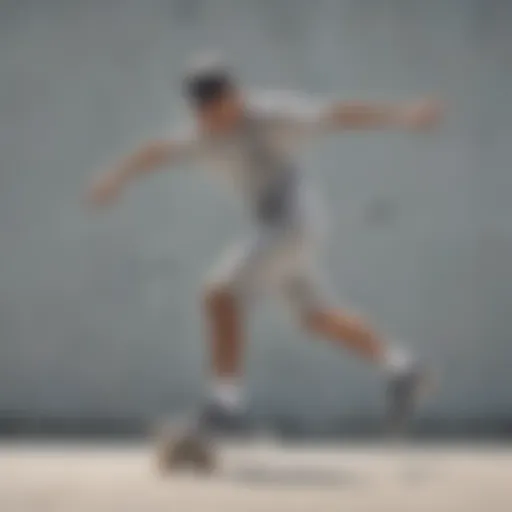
264 477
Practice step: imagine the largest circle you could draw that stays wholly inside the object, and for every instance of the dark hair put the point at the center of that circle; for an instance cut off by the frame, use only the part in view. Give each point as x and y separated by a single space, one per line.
205 83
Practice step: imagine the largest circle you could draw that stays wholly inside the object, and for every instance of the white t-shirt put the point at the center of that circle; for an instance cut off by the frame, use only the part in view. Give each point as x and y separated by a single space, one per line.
258 157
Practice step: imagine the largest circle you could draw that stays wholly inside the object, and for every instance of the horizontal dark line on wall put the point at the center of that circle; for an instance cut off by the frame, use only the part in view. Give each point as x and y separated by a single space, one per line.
12 426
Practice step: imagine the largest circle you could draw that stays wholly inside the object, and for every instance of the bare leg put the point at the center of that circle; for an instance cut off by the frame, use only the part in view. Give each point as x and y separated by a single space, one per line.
224 411
225 332
347 331
406 379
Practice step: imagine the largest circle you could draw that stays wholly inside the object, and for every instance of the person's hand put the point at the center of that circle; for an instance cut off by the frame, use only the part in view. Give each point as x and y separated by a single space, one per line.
421 115
105 189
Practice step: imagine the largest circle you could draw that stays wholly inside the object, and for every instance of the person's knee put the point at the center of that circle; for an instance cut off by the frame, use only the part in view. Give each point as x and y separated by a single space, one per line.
310 319
218 297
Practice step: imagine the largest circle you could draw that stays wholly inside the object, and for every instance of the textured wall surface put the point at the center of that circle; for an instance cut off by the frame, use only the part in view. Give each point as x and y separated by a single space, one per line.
99 311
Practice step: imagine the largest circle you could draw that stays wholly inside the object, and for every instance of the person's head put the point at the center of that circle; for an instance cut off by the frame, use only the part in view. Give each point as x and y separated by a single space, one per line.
212 92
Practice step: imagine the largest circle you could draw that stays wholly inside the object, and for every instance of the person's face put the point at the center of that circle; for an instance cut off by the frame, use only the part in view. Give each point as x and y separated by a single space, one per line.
221 115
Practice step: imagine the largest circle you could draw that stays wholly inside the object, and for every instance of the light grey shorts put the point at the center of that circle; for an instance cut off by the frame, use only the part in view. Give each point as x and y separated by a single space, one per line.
278 259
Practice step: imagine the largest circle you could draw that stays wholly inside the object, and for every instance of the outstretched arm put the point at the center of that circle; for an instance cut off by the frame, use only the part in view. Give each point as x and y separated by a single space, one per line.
308 116
151 156
416 115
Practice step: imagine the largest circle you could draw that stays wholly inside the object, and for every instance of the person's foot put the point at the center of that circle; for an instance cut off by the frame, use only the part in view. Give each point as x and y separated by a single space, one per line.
216 419
406 387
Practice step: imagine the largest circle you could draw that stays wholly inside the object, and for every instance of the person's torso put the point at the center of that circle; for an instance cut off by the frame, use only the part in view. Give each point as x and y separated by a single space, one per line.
258 160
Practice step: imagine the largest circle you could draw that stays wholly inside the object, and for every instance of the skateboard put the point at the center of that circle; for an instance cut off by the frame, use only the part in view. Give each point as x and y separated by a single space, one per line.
179 447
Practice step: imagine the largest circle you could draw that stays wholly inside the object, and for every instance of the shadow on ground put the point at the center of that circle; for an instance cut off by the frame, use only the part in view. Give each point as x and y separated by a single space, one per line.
296 477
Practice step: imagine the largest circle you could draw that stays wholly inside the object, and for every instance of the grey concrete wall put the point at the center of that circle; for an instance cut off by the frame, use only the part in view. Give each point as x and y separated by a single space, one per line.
99 313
